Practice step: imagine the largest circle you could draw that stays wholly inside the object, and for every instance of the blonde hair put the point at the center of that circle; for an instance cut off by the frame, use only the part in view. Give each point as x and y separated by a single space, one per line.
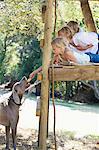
59 42
67 32
74 26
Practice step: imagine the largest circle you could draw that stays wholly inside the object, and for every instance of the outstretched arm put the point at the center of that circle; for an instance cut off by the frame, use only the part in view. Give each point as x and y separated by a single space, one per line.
32 75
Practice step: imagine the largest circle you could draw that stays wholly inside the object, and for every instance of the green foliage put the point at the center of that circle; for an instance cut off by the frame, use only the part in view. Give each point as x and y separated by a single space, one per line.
21 24
21 16
71 10
95 11
31 56
22 56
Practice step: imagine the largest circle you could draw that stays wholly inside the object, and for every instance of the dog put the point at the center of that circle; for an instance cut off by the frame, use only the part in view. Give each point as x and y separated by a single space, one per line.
9 112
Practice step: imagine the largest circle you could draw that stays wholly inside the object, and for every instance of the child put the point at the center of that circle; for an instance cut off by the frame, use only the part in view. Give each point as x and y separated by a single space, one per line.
60 47
81 38
82 41
74 27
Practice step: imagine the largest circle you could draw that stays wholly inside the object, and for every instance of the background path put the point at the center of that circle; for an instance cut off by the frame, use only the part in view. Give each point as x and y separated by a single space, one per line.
82 119
79 118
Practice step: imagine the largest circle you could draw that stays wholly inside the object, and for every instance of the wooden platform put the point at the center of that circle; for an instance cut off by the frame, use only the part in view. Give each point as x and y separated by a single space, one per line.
75 73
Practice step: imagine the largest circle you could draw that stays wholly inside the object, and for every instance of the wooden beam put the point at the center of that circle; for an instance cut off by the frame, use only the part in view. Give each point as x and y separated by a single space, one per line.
75 73
45 81
87 15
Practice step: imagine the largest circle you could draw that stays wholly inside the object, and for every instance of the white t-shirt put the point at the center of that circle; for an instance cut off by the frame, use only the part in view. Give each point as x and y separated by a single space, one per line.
81 57
85 38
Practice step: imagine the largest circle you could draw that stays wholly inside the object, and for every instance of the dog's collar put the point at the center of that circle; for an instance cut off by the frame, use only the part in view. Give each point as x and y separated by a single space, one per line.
16 103
11 98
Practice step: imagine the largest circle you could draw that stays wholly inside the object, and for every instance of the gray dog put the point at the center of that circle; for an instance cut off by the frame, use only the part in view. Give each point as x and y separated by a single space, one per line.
9 113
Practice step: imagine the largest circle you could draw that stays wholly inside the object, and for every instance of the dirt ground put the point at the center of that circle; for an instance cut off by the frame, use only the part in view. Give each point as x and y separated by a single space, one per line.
27 140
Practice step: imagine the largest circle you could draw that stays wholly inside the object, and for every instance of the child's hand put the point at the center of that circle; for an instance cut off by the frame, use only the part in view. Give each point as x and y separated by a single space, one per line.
90 45
56 59
32 75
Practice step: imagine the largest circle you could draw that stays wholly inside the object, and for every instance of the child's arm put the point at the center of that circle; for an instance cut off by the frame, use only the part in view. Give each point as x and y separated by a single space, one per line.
56 59
68 55
80 47
32 75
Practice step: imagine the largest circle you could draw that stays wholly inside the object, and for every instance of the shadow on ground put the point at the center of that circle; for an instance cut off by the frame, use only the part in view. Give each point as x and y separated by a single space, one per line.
23 143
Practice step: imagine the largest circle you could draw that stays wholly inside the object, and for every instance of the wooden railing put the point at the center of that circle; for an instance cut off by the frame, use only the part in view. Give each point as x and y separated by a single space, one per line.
75 73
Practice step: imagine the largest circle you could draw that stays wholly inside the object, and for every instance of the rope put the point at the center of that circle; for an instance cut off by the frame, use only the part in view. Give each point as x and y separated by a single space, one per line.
53 100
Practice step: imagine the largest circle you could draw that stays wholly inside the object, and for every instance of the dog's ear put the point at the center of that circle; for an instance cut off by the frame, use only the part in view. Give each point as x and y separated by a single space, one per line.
15 95
23 79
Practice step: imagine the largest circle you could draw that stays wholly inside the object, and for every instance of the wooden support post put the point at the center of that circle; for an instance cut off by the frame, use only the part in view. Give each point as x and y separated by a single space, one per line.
45 80
87 15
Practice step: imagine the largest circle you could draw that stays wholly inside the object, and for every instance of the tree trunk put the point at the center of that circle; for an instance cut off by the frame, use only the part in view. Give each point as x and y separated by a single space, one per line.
87 15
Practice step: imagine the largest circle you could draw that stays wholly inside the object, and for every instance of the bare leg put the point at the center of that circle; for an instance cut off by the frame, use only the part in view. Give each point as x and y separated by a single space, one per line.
7 129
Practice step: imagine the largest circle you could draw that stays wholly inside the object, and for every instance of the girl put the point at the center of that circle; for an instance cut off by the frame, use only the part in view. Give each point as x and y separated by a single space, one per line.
82 41
74 27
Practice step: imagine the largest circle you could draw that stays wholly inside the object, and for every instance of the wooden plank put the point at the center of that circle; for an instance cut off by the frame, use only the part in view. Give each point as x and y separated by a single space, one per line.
75 73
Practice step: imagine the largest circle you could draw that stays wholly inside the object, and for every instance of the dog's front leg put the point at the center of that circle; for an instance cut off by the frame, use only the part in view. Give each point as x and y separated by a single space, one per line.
7 130
14 137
